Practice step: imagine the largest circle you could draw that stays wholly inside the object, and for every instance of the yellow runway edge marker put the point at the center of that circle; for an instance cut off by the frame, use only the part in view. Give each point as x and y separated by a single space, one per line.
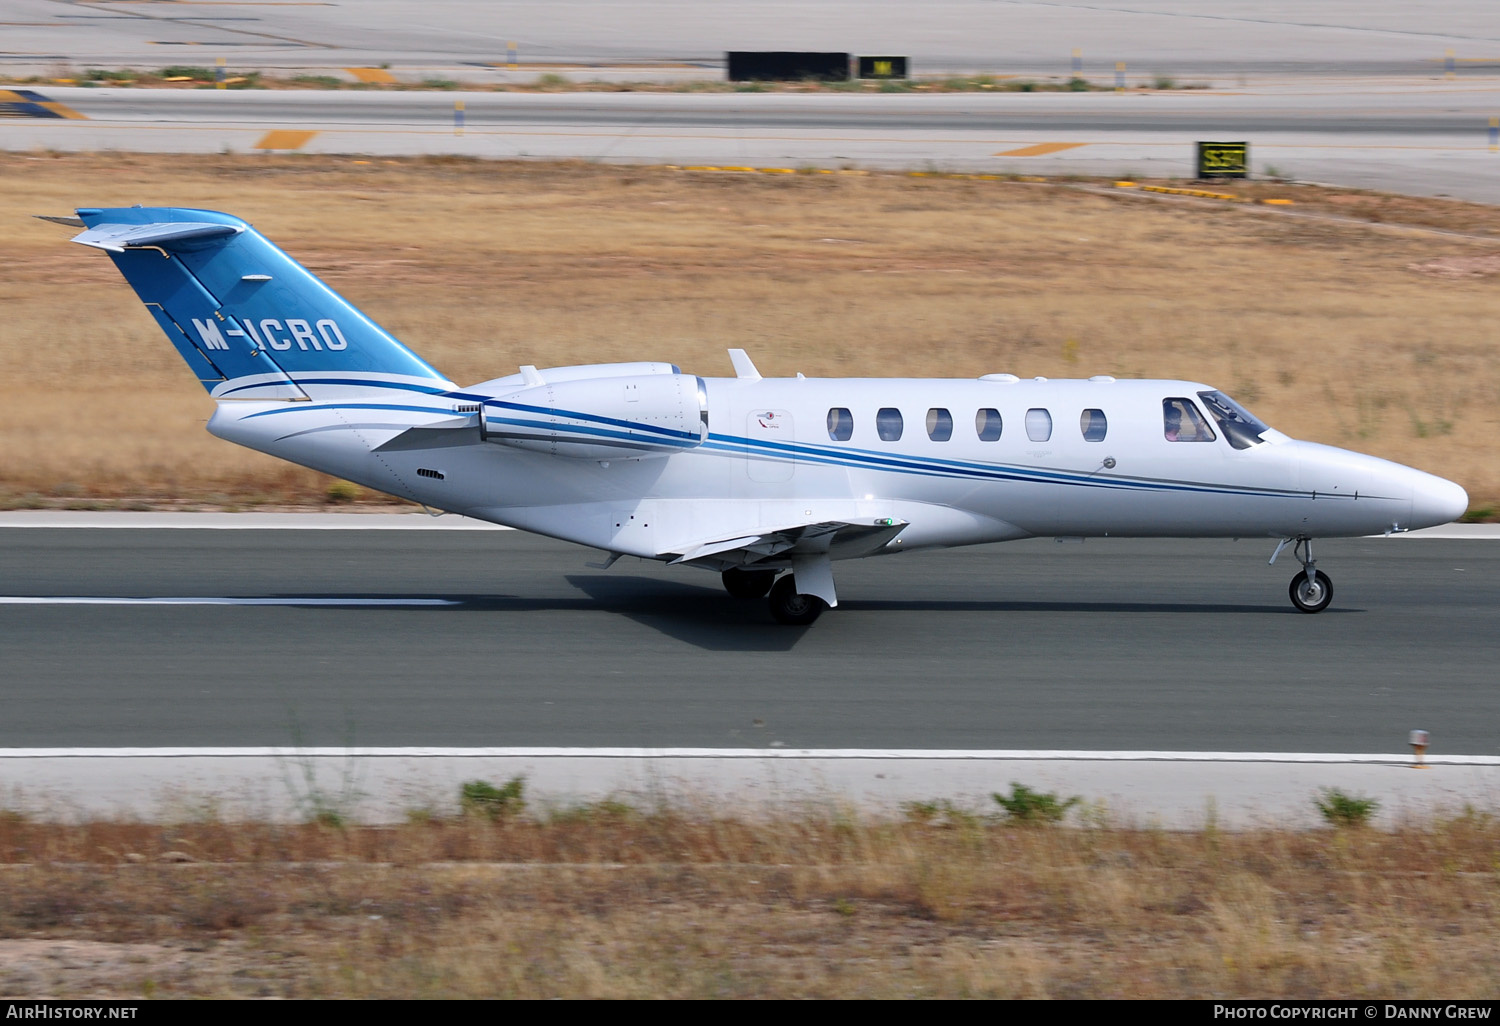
284 139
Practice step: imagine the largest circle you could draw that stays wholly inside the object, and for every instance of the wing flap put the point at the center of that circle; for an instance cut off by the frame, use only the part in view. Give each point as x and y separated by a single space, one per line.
840 539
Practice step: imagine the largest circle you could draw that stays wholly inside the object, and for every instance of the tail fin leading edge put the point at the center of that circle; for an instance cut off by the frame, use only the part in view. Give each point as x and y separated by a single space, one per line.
250 321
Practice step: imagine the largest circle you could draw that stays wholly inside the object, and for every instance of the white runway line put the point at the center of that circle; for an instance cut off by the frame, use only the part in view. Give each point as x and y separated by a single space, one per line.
895 754
245 521
209 600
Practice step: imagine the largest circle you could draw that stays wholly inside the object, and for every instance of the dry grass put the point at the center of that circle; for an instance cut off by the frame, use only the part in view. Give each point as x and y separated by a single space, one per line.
607 902
1357 334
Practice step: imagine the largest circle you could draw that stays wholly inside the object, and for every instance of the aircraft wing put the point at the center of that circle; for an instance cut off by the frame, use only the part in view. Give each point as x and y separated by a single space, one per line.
837 539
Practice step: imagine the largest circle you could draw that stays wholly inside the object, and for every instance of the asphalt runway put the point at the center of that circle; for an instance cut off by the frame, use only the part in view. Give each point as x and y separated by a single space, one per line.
482 638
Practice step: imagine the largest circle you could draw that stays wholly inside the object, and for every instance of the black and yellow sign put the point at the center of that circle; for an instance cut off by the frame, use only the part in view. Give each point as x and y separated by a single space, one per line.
25 103
1223 159
882 67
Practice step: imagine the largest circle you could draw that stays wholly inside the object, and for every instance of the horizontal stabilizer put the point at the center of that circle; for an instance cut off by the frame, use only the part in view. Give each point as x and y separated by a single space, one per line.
117 238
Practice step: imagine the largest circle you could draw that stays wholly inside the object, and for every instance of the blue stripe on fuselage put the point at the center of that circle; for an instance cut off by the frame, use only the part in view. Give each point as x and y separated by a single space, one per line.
738 445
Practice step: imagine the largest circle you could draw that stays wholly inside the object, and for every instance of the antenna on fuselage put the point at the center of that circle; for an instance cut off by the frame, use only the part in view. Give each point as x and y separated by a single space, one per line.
744 367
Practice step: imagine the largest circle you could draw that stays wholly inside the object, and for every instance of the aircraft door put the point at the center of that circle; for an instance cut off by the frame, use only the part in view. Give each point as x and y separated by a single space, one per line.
770 455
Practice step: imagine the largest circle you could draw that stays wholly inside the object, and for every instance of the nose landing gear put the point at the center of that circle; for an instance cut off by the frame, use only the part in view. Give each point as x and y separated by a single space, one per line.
1311 590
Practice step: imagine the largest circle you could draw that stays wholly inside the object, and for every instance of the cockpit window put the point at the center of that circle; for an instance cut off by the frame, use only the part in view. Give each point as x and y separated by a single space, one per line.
1239 425
1181 422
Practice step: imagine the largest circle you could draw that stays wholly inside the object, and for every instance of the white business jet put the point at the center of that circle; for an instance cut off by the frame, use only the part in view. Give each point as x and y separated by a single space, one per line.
767 481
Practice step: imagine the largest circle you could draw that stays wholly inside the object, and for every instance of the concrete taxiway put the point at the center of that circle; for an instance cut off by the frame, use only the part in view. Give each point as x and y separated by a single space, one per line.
1384 96
1417 137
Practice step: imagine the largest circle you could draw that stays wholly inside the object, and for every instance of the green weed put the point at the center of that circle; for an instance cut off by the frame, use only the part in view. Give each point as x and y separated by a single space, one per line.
1345 810
1023 805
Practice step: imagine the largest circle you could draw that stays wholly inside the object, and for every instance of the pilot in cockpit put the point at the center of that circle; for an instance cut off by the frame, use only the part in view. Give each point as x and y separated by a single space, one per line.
1172 421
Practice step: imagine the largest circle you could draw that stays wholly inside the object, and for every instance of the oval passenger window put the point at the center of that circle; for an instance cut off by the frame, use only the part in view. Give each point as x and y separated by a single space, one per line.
888 424
987 425
1038 425
1093 425
939 424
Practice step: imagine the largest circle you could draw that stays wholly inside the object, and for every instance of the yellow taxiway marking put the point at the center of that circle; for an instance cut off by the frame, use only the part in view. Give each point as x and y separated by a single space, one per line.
284 139
371 74
1040 149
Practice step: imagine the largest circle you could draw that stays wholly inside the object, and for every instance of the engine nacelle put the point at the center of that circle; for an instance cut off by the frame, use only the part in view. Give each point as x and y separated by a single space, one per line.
602 418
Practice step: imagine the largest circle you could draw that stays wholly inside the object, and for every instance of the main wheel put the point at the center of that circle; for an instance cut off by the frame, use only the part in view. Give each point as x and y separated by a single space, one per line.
1311 596
748 584
788 607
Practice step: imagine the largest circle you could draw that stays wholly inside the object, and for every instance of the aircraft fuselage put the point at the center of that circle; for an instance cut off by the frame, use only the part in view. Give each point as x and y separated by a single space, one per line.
770 457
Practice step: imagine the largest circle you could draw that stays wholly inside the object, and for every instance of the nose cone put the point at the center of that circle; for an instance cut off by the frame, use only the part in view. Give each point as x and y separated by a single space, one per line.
1436 501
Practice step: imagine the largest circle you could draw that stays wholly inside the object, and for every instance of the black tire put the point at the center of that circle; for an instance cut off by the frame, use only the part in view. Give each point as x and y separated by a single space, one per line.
793 609
1311 596
748 584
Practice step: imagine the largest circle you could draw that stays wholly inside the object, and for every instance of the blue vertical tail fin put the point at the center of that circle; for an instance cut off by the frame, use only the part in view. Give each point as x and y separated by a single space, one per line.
250 321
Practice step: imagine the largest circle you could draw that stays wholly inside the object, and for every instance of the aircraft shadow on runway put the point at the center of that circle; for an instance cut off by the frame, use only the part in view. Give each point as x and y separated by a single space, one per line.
711 620
646 596
707 618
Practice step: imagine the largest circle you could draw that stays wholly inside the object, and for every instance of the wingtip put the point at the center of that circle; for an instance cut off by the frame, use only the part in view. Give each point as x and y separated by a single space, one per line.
70 220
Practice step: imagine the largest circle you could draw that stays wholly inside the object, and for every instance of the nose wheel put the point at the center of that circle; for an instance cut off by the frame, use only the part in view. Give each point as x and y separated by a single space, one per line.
1311 594
1311 590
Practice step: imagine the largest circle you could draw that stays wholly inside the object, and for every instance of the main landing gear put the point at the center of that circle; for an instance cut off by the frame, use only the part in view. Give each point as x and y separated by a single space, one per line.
1311 590
787 605
748 584
793 609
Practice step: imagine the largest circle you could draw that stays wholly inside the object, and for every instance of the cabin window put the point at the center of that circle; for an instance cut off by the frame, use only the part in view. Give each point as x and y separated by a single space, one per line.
888 424
939 424
1181 422
1093 425
1038 425
840 424
987 425
1240 426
